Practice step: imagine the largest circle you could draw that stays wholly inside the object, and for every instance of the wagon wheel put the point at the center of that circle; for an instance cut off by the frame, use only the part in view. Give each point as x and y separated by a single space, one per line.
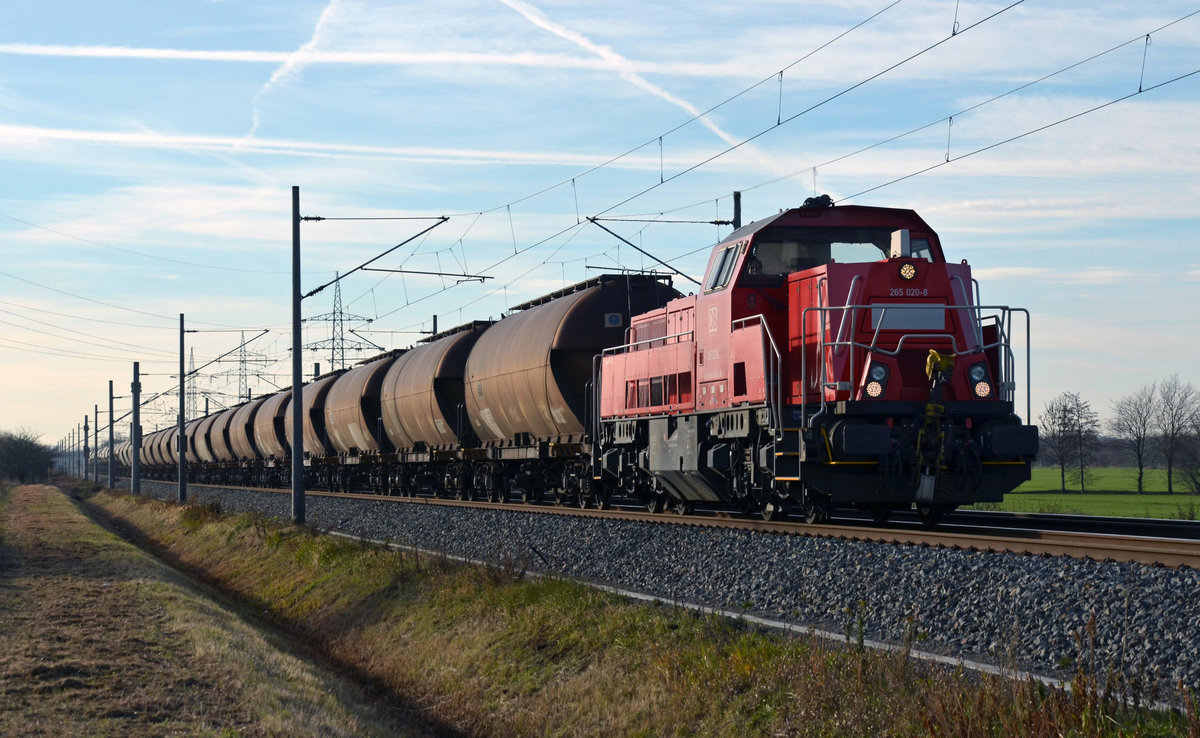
655 503
682 507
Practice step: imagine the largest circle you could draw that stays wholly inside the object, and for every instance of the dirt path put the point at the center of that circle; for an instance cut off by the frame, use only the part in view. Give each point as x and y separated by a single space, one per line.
100 638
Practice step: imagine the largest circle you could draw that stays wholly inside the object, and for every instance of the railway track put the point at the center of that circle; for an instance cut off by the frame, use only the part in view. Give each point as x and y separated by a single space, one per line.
1156 542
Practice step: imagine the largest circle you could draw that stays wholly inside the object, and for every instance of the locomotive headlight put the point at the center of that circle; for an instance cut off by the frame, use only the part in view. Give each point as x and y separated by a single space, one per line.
977 372
877 376
983 390
908 271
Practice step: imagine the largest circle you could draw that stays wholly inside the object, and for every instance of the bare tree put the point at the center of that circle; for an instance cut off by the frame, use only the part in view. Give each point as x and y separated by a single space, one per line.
1189 466
1054 436
1069 433
1175 413
1085 435
22 457
1133 425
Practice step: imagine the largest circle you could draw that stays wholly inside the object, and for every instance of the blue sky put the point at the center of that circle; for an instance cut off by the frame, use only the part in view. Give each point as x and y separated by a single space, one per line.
149 149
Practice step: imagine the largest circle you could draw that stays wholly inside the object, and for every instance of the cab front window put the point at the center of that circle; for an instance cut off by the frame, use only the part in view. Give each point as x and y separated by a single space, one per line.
722 267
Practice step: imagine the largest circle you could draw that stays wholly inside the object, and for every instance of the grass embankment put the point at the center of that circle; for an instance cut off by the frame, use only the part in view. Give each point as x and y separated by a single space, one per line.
101 638
490 652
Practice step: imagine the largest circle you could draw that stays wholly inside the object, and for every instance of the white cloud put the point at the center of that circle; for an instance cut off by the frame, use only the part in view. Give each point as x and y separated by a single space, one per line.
1009 273
17 139
292 65
1095 275
450 58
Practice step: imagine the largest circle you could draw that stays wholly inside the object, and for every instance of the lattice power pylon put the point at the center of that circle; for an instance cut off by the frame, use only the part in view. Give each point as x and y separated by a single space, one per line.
337 342
191 390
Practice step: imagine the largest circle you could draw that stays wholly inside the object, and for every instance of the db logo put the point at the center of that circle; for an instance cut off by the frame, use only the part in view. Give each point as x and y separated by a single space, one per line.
712 320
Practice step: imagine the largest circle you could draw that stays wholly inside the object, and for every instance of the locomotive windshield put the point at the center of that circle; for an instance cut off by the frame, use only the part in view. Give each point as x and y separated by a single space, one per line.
778 252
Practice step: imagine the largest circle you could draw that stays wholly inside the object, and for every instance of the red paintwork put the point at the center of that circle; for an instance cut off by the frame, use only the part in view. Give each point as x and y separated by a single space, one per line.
719 336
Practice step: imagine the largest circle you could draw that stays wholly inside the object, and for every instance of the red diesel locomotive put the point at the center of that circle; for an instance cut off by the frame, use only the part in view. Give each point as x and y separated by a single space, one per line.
832 358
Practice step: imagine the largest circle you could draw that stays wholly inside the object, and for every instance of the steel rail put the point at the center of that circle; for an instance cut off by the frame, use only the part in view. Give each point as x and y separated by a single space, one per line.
1169 552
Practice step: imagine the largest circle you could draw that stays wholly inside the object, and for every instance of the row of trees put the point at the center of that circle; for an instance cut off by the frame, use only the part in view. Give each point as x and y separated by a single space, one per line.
1161 419
23 457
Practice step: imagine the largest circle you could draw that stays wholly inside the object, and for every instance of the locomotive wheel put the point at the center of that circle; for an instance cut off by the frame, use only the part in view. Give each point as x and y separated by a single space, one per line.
931 515
602 496
773 511
814 512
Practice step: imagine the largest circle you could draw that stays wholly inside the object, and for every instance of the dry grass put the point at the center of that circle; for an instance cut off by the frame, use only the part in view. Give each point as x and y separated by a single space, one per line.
101 639
484 652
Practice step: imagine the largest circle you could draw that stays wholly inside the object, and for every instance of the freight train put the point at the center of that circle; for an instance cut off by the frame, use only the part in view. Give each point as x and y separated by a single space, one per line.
831 358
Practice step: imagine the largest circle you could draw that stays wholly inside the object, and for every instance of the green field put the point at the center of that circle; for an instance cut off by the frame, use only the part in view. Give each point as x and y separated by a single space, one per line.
1111 491
1103 479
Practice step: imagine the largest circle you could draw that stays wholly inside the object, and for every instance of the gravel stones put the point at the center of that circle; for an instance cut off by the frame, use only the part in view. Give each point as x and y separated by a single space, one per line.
1140 624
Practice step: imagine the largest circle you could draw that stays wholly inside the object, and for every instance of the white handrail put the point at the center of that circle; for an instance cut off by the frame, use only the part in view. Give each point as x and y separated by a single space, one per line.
1007 368
775 399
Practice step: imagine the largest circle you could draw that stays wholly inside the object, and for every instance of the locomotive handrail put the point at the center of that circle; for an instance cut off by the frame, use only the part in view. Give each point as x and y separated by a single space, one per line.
775 398
850 299
596 401
625 346
1007 369
978 317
